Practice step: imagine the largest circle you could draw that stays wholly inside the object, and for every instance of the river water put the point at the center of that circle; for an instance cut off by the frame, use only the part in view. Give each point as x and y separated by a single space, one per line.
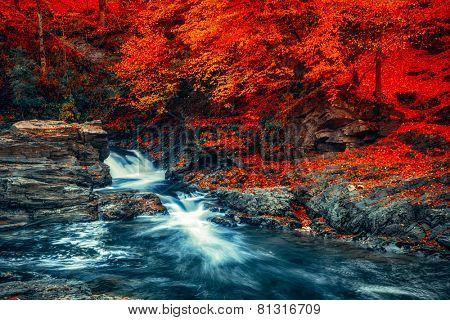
184 256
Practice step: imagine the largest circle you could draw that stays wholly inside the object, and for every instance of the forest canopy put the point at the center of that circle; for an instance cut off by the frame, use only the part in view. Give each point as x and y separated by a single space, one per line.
267 53
73 60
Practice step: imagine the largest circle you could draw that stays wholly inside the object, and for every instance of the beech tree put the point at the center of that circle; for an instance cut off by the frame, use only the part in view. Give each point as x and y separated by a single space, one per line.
347 31
41 39
102 12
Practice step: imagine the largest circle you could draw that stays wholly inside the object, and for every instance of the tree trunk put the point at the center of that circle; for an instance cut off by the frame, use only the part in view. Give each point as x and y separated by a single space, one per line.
41 39
102 12
378 60
355 78
17 4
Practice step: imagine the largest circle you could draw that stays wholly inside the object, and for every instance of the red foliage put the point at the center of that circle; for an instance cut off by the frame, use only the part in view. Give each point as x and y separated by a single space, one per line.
249 59
246 52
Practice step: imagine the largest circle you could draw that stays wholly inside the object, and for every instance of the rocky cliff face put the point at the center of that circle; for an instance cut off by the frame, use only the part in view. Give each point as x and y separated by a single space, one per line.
392 213
380 218
48 170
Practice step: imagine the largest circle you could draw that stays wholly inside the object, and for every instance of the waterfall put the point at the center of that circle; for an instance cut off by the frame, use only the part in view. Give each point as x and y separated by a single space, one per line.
132 164
188 213
131 170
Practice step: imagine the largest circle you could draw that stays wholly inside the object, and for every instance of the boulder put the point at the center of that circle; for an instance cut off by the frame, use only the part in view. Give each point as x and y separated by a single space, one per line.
36 286
431 103
32 286
425 142
258 201
325 128
233 218
334 118
127 205
406 98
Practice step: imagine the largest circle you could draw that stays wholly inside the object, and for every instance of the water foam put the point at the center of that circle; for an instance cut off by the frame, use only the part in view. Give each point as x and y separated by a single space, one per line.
188 213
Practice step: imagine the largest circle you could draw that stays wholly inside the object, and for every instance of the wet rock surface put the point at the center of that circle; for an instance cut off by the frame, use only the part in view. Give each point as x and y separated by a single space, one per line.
234 218
127 205
35 286
32 286
384 212
258 201
270 208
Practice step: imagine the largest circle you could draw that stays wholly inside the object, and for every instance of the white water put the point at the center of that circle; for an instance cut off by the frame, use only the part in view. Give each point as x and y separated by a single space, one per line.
133 166
188 213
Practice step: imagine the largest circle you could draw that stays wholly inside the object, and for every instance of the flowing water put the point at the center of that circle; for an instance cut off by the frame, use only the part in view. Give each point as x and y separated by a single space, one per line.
184 256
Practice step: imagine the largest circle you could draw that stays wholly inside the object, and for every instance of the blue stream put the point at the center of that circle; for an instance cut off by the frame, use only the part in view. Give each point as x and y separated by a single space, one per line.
184 256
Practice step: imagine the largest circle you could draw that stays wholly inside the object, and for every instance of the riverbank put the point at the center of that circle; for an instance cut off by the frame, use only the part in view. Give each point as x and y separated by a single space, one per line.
336 200
156 238
392 194
182 255
353 195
